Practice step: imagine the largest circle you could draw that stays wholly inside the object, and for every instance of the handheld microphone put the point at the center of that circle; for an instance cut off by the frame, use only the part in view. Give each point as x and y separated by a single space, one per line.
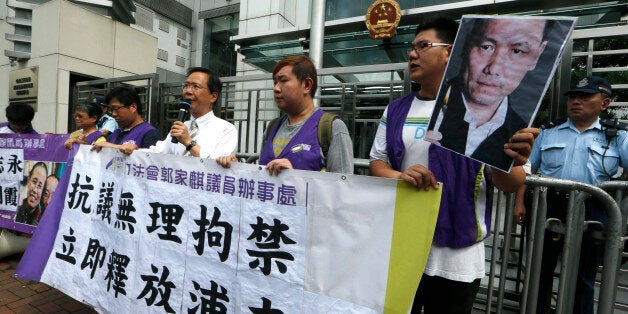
184 106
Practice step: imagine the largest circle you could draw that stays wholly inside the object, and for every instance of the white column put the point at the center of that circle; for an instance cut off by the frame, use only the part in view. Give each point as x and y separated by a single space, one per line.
317 33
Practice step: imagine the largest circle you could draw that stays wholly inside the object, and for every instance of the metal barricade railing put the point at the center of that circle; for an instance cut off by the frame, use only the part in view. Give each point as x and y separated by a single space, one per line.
248 158
503 222
571 251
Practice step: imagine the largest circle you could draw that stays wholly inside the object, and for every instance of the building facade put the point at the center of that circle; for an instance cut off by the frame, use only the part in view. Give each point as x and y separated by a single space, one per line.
50 47
361 75
241 40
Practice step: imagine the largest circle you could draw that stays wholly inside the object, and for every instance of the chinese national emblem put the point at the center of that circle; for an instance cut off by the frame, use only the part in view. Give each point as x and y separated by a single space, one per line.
382 19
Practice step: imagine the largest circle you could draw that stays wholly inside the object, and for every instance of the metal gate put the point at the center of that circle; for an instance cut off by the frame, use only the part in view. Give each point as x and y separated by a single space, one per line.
146 86
357 94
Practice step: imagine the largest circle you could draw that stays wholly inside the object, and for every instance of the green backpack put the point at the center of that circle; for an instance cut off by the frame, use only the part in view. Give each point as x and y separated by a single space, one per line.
324 131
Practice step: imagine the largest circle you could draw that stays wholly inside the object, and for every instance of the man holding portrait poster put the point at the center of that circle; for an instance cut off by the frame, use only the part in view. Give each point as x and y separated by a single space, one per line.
499 72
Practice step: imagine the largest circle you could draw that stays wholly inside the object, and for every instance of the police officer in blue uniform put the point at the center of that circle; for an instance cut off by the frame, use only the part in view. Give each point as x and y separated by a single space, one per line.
586 149
106 124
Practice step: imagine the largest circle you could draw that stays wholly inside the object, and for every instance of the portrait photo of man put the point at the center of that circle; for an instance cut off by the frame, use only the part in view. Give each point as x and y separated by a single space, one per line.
499 70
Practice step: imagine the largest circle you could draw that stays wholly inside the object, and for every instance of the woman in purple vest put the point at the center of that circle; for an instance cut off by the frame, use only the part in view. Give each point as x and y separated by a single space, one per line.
85 117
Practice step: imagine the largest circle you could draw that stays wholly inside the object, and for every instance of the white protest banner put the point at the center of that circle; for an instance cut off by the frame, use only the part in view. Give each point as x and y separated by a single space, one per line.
10 162
161 233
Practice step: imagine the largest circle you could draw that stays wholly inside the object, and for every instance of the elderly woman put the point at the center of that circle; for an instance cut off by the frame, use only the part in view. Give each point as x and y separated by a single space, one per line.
85 117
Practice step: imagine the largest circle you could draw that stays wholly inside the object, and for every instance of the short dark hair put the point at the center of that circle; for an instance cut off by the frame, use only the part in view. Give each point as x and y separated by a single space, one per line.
549 26
478 30
302 67
213 83
38 164
125 95
444 27
20 114
93 110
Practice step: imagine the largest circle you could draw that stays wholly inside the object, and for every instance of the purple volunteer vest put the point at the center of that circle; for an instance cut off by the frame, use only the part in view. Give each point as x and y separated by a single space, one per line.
136 134
303 150
92 137
457 225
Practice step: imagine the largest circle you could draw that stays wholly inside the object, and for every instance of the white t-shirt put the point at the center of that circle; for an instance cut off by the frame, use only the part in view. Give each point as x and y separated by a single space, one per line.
477 134
6 130
465 264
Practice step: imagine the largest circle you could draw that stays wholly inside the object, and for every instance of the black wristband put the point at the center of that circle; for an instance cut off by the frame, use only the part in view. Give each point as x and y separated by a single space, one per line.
192 144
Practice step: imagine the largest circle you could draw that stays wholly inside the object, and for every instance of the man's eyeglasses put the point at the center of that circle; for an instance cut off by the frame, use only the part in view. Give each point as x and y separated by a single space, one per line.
113 108
421 45
193 86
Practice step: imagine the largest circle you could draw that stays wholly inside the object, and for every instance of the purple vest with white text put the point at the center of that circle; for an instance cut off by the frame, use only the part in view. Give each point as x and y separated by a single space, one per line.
303 150
459 222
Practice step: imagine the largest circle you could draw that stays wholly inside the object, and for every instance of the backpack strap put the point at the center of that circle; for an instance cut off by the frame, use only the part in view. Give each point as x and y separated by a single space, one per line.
324 131
269 128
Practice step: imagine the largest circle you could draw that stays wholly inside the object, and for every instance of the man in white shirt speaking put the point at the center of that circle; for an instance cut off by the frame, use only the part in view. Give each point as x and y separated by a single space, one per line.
204 135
